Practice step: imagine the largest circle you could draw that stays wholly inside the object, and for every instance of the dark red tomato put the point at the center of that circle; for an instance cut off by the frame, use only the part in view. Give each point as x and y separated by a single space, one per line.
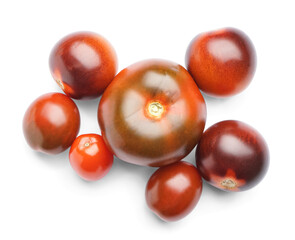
51 123
173 191
152 114
221 62
232 156
83 64
90 157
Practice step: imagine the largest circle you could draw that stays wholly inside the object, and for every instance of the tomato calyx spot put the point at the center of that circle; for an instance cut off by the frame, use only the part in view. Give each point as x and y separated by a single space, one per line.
87 144
228 183
155 109
60 84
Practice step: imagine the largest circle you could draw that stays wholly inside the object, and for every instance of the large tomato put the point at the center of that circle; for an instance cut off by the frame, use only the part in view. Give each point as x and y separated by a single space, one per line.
152 113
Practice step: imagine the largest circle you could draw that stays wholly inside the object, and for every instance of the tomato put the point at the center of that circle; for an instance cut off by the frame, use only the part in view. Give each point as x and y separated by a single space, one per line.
232 156
90 157
83 64
51 123
152 113
173 191
222 62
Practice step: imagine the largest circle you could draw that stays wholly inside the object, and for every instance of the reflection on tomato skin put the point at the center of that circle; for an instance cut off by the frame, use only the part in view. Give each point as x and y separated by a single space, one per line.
152 114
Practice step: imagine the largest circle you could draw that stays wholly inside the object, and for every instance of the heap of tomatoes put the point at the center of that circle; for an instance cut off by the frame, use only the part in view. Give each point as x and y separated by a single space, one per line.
153 114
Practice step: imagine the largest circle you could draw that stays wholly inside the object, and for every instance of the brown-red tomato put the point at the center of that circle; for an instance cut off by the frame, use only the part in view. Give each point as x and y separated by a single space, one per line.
152 114
173 191
51 123
222 62
90 157
232 156
83 64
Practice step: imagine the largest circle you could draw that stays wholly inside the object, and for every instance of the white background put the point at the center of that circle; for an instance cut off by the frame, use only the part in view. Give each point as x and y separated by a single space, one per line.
43 198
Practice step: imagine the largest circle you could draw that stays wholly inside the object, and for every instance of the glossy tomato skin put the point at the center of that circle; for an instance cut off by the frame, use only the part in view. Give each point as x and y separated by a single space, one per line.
232 156
90 157
173 191
152 114
51 123
83 64
222 62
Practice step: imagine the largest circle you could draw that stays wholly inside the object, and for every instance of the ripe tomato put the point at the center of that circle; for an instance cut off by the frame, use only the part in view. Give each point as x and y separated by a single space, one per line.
51 123
152 113
83 64
173 191
90 157
221 62
232 156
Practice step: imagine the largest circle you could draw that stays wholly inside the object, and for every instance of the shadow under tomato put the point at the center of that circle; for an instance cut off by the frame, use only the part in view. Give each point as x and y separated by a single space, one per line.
209 189
118 171
141 173
215 100
191 157
88 106
53 160
149 213
222 102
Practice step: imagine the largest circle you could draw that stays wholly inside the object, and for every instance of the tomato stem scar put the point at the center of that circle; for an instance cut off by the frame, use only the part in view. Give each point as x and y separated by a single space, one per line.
228 183
60 84
155 109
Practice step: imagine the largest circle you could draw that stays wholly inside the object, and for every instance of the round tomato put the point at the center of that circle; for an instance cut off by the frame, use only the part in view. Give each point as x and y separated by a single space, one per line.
173 191
232 156
152 113
83 64
222 62
51 123
90 157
